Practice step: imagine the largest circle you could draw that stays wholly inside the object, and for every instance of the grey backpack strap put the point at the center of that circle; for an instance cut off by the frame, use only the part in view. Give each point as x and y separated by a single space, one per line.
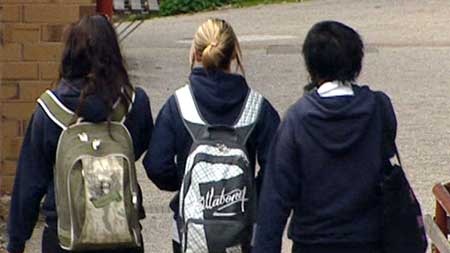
250 112
249 115
56 111
189 112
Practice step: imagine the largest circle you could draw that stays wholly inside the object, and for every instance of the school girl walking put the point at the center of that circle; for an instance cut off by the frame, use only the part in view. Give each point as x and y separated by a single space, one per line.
327 159
216 101
93 88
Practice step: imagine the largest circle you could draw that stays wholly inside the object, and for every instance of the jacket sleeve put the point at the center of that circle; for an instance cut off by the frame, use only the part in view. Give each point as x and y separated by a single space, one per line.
266 127
34 174
140 123
389 124
159 162
279 191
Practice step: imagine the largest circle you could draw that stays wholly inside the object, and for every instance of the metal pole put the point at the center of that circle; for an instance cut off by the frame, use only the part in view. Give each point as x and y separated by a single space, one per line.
105 7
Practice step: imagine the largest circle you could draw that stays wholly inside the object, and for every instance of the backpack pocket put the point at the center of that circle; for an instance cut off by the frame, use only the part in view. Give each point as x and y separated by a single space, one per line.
207 236
101 208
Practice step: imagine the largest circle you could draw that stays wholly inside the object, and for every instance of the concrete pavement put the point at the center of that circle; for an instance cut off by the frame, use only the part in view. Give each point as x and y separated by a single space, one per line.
407 56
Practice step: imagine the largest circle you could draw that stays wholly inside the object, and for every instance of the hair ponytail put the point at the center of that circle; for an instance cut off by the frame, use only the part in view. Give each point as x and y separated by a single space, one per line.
218 45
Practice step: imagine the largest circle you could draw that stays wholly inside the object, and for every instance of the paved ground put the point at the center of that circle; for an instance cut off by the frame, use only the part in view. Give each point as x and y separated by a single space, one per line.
408 49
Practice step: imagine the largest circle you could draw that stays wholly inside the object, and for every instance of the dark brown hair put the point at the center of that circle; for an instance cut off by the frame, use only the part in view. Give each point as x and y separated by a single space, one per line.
92 53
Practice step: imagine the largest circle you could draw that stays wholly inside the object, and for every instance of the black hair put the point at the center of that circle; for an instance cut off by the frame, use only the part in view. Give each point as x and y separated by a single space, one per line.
333 51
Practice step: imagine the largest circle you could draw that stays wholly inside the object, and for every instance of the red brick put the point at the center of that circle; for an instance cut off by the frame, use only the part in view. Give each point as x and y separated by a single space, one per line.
10 13
49 70
42 52
11 128
19 71
21 33
11 52
26 1
31 90
9 91
11 147
87 10
9 167
52 13
23 91
52 33
17 110
7 183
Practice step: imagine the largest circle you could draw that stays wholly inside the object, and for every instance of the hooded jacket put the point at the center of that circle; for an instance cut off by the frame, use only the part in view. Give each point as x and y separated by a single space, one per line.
220 97
325 165
34 178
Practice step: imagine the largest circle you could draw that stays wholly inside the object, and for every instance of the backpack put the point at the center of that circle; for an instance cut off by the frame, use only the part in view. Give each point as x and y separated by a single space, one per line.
218 194
402 222
95 182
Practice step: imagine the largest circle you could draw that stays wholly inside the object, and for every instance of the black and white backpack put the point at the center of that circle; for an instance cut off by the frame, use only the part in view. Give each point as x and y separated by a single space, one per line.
218 194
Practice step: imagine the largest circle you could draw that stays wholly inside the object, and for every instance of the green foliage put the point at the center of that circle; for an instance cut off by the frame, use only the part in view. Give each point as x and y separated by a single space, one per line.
171 7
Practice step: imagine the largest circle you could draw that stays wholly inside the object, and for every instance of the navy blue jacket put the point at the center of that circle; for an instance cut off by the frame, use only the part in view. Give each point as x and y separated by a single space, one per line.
220 97
34 178
325 165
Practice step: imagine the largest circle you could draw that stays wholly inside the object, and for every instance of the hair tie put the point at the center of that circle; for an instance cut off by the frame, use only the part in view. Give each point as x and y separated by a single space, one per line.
211 45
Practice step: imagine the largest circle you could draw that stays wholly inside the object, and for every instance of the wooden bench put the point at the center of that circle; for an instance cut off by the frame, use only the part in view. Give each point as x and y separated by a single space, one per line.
135 6
438 228
138 8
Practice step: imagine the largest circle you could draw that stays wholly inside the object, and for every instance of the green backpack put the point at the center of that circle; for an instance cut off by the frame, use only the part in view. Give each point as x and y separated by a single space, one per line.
95 180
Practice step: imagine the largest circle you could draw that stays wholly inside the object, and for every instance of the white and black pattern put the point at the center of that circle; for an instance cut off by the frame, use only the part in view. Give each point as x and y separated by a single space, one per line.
190 113
217 192
211 151
251 110
214 151
203 173
196 242
193 202
189 110
201 176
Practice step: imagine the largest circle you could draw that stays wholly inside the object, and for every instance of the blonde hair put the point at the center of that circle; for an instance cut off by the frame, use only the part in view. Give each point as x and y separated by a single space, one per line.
217 44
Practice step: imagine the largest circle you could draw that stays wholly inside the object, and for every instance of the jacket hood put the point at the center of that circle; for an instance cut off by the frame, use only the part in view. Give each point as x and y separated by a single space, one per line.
94 109
337 123
218 92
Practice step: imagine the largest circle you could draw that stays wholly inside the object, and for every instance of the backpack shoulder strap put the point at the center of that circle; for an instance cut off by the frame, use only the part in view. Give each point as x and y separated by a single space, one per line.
189 111
120 111
187 106
386 135
56 111
250 111
249 116
64 117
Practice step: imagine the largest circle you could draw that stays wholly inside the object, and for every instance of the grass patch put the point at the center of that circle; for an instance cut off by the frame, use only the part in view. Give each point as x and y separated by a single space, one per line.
249 3
175 7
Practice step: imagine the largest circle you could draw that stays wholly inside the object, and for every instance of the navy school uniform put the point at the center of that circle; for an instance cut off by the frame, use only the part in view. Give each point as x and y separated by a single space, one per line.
34 178
220 97
325 165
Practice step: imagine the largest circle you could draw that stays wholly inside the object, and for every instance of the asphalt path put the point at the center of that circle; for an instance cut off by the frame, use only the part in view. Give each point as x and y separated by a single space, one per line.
407 56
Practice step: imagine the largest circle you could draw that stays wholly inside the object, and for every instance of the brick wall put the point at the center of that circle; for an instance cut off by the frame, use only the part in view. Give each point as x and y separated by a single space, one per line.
30 49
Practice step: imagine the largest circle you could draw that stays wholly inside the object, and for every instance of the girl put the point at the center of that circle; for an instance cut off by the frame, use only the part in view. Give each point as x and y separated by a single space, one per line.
327 158
220 96
92 78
